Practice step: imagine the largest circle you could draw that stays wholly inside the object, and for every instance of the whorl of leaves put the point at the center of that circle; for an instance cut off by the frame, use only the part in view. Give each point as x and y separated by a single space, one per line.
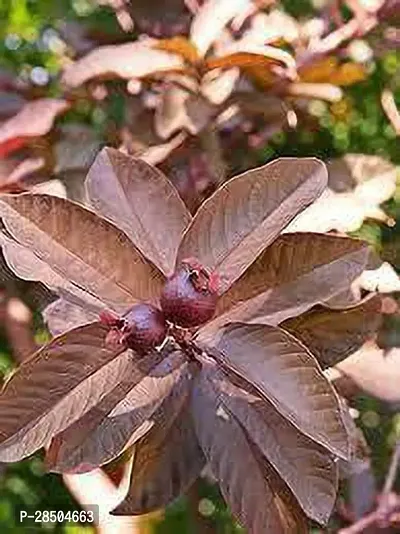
244 393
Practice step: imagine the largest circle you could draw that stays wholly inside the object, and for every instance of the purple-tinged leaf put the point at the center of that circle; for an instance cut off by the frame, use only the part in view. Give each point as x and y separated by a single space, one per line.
247 213
142 202
286 374
63 315
121 418
294 274
167 460
80 247
332 335
307 469
56 386
248 485
26 265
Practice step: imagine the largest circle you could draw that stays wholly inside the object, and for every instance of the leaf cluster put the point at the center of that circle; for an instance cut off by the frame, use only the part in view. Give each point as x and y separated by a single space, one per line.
245 393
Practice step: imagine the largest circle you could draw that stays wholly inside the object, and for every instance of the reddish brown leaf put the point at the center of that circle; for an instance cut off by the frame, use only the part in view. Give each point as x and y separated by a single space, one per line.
180 46
26 265
245 55
167 460
245 483
130 60
141 201
122 417
291 515
283 371
295 273
246 214
55 387
19 172
306 468
332 335
81 247
63 315
36 118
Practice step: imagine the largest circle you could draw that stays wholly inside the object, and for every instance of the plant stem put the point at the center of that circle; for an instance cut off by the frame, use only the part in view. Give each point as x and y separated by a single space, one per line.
393 468
389 502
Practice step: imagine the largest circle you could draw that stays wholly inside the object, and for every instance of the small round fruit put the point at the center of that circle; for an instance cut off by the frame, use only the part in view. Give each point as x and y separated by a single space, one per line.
189 297
142 328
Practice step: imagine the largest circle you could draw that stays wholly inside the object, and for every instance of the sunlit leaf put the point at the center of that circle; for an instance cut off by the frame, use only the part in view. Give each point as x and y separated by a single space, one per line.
321 91
36 118
383 279
246 484
180 110
123 416
181 46
306 468
357 185
247 213
332 335
141 201
81 247
75 371
284 372
130 60
328 70
211 19
373 370
295 273
244 55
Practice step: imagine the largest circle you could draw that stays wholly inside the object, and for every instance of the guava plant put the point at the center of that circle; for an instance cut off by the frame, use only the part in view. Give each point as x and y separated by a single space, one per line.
189 340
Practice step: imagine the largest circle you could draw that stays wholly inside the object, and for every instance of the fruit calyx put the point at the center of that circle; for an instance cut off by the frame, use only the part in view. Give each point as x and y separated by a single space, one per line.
141 328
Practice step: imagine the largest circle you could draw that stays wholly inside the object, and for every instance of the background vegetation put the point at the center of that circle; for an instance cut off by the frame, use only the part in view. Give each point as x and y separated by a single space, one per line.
37 38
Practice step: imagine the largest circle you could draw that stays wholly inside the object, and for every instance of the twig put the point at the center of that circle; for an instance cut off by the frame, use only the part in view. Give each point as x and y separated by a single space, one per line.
388 503
393 468
335 39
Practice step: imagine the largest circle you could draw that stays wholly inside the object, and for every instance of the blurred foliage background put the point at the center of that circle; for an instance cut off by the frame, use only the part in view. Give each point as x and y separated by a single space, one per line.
34 35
